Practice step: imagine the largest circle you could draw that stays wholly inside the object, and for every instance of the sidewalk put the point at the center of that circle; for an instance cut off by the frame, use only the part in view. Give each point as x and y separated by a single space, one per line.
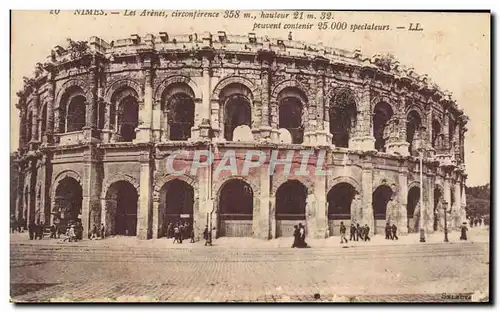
475 235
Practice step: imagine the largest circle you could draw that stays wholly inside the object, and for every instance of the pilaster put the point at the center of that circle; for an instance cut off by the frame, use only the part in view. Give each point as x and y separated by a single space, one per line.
143 131
263 229
362 138
145 207
366 186
91 190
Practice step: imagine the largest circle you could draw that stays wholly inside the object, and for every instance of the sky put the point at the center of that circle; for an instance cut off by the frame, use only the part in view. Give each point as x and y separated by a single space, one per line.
453 49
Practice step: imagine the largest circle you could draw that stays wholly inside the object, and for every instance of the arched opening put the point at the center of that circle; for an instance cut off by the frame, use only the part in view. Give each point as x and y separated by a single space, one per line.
43 121
413 209
291 104
235 209
382 114
291 199
413 124
438 200
76 114
176 206
121 209
339 199
67 201
128 118
237 113
180 116
436 132
236 108
381 197
342 118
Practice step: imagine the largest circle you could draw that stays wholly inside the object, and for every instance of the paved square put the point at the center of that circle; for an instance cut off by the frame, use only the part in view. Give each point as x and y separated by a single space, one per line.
157 271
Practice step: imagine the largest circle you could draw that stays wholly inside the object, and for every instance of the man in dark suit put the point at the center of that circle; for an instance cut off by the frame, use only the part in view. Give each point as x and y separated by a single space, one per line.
387 231
353 232
367 232
394 230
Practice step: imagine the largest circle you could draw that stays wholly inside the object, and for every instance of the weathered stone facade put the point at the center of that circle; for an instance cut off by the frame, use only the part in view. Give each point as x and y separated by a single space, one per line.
99 119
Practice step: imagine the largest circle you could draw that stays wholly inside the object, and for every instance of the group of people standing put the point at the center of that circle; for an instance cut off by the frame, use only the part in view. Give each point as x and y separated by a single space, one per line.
357 232
180 231
299 236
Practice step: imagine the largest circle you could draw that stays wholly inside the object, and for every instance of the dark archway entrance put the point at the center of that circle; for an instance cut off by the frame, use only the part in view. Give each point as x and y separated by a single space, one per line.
413 209
128 118
438 198
236 209
176 205
237 113
121 208
68 202
339 199
380 200
291 200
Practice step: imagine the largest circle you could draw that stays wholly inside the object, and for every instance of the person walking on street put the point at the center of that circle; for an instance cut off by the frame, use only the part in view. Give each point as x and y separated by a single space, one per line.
359 231
177 234
463 231
53 231
192 234
296 236
102 231
367 232
394 230
93 233
387 231
207 236
303 243
353 232
342 232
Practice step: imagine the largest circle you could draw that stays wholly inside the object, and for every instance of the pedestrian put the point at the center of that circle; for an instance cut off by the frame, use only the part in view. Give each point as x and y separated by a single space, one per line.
463 231
53 231
207 236
102 231
353 232
181 231
394 232
169 230
93 233
358 232
471 220
303 243
296 236
342 232
387 231
192 234
177 234
367 232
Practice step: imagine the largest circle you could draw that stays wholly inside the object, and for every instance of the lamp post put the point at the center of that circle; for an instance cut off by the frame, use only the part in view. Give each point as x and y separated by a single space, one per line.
445 207
421 221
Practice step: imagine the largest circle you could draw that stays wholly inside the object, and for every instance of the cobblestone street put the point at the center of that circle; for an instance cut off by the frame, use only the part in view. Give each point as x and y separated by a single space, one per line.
113 269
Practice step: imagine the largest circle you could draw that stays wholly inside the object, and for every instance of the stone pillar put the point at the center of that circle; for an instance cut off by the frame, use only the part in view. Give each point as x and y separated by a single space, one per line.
204 109
457 218
321 219
22 128
265 124
428 201
44 214
445 131
309 117
90 129
19 198
144 213
49 128
274 121
33 144
143 131
400 215
363 134
262 224
447 198
91 189
323 136
399 144
367 216
30 204
463 202
156 220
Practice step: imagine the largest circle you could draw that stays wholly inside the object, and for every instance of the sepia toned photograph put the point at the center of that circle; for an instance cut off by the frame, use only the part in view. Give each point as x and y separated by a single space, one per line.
249 156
